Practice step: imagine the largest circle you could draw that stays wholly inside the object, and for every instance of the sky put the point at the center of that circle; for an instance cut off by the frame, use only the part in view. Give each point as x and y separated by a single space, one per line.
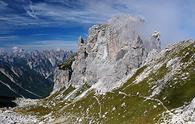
43 24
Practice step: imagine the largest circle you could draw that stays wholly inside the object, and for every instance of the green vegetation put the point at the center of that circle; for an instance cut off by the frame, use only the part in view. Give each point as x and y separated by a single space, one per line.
121 105
131 102
68 63
181 89
35 110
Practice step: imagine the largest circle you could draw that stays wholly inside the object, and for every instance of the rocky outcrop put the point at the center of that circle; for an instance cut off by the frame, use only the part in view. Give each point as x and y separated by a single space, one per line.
61 77
111 52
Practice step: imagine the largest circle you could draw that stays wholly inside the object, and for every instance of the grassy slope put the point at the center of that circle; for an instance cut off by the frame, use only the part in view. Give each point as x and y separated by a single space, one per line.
128 104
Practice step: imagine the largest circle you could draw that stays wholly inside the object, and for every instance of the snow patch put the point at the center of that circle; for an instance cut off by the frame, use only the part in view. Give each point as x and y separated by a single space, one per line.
7 75
30 65
52 61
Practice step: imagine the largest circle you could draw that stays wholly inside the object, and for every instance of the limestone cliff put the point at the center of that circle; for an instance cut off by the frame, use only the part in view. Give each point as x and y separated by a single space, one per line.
110 52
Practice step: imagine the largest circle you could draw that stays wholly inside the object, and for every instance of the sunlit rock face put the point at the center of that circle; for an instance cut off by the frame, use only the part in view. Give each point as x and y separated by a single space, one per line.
61 79
111 52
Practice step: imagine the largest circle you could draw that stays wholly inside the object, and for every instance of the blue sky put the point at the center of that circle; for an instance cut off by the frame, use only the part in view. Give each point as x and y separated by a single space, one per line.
58 23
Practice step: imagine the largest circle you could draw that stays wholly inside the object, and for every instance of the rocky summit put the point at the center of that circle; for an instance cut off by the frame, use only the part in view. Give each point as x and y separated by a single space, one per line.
118 76
111 52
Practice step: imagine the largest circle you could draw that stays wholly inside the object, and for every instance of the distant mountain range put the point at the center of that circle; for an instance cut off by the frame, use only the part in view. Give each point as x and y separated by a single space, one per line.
28 74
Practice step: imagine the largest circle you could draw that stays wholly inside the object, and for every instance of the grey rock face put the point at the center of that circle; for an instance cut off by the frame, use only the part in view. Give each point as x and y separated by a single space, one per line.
61 79
153 43
110 52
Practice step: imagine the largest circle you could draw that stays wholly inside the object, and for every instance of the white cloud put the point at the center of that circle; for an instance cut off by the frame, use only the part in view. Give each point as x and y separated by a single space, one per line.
3 4
7 38
168 17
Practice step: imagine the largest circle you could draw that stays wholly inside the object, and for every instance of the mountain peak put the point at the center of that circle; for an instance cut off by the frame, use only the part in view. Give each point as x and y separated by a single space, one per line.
17 49
111 50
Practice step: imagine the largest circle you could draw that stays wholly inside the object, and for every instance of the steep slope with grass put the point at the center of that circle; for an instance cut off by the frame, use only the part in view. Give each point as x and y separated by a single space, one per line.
161 90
